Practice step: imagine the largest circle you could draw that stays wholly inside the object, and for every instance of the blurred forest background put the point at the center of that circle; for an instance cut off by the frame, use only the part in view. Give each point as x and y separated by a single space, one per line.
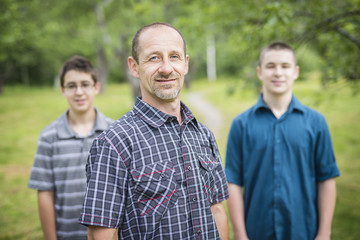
37 36
223 39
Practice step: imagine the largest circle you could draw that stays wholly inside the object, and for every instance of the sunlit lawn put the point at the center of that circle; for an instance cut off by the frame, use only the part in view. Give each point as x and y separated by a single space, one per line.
24 112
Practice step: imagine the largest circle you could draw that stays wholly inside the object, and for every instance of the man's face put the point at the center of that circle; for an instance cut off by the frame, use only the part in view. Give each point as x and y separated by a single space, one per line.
278 72
79 90
162 64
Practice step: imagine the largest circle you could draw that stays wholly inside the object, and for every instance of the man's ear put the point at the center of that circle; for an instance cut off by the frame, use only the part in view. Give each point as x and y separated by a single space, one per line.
133 67
186 64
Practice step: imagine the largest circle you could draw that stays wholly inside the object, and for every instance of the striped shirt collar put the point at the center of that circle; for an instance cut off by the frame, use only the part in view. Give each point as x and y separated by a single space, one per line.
64 130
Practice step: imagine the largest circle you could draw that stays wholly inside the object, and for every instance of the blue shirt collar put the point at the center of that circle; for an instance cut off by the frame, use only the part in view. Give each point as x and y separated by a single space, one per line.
295 104
157 118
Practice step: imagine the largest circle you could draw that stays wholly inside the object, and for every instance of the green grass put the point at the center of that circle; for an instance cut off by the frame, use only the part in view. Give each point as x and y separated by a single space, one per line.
24 112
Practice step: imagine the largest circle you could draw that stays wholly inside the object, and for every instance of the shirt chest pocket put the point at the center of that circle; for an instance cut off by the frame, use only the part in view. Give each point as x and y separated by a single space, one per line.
208 167
154 187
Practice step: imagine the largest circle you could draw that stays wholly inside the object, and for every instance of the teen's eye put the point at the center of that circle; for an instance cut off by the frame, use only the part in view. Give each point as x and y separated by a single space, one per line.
270 66
286 65
71 86
85 85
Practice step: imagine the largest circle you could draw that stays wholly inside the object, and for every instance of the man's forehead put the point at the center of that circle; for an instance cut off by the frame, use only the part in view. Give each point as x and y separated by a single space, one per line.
158 36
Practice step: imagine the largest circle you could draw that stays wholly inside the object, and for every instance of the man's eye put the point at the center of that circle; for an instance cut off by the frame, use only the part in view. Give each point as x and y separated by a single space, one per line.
174 56
71 86
154 58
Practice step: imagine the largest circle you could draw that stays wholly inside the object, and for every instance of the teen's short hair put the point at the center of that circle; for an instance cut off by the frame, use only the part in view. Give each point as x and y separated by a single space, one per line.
77 63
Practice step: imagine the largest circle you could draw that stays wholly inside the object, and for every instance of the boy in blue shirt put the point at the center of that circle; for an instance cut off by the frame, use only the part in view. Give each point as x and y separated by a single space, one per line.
280 163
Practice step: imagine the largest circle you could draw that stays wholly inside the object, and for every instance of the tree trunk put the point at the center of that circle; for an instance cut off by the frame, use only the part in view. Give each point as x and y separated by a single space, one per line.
121 54
101 59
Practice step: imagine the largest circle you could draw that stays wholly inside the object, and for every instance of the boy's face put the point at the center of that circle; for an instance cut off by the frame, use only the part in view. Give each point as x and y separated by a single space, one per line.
79 90
278 71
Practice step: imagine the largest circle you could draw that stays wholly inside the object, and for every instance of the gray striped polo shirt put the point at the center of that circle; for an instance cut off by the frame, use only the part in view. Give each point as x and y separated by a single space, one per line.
59 166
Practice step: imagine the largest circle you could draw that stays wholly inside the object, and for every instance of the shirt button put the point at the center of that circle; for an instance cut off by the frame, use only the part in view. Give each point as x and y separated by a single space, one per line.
189 168
198 231
162 175
194 199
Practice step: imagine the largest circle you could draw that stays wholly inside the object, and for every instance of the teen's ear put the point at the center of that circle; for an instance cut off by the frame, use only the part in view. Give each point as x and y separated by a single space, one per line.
258 71
133 67
97 87
297 72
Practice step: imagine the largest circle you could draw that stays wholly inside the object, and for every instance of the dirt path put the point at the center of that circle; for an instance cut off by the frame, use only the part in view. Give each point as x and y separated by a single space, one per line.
209 115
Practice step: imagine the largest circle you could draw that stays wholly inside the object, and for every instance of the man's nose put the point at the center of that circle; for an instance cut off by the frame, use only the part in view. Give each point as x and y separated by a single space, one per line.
166 67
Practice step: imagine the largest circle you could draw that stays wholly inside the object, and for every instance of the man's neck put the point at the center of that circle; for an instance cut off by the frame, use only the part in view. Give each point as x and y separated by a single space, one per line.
82 122
278 104
171 107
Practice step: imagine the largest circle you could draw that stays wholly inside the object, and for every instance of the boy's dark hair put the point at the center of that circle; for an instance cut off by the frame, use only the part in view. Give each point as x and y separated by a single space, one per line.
135 41
277 46
80 64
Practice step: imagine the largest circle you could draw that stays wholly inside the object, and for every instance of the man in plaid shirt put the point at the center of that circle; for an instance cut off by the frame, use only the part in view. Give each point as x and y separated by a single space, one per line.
156 173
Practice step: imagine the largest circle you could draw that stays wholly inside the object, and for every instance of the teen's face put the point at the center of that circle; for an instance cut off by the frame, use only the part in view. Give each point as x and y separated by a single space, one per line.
79 90
162 64
278 72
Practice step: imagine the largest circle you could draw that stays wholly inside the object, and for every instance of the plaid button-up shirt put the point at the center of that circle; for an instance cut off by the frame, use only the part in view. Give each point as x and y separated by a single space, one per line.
153 178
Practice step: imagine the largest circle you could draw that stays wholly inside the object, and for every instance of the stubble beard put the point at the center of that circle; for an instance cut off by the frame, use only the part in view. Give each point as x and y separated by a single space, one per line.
165 94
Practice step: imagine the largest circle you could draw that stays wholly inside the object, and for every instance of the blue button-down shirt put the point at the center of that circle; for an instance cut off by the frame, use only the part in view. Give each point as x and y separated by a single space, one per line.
279 162
153 178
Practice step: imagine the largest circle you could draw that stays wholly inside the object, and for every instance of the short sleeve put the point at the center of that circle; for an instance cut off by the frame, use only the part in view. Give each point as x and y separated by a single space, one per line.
325 161
42 177
107 179
234 159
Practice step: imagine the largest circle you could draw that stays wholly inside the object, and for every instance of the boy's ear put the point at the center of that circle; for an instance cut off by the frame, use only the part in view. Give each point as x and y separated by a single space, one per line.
97 87
133 67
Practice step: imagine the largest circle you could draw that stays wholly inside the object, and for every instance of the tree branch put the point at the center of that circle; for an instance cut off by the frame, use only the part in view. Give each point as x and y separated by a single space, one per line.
347 35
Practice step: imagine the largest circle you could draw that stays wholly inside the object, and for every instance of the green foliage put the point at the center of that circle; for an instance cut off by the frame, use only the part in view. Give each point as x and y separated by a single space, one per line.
38 36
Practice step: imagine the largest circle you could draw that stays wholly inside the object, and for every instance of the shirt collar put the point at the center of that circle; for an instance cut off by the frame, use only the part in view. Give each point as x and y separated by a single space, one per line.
295 104
157 118
64 130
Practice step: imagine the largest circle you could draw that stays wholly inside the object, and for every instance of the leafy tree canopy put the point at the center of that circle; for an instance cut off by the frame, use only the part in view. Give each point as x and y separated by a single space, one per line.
37 36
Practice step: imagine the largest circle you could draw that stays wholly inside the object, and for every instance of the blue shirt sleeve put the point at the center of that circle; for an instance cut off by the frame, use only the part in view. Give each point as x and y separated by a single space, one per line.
325 162
234 154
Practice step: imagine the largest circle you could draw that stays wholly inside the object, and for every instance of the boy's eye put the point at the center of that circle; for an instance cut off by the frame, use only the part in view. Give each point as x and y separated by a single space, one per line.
286 65
72 86
85 85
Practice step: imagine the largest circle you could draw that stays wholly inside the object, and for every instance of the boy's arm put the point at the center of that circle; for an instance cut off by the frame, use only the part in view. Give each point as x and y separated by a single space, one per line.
236 210
220 217
326 207
47 214
98 233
